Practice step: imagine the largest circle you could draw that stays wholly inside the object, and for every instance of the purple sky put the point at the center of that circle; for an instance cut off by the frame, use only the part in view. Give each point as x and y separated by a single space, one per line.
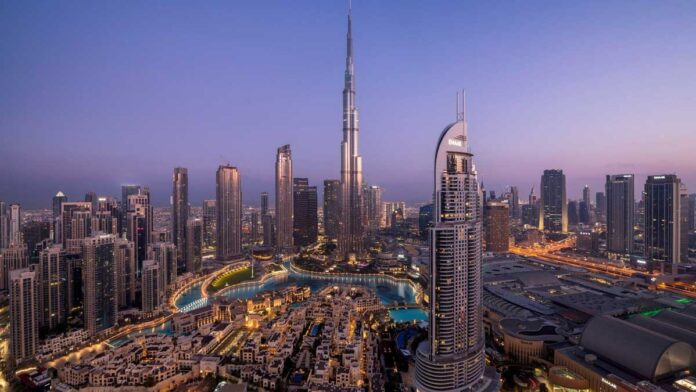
95 94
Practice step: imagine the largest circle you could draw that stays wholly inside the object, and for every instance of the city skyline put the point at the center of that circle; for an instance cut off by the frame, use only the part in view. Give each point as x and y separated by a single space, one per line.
625 107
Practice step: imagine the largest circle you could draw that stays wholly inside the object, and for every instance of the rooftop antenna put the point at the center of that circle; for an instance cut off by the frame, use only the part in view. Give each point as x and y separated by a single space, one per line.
461 110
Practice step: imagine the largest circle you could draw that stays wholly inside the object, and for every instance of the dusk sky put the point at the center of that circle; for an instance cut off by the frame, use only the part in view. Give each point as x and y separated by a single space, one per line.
96 94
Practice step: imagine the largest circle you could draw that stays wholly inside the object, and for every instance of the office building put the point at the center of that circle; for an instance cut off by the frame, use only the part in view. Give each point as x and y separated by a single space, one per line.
229 212
99 283
373 207
180 212
514 202
662 220
620 198
497 227
332 209
351 237
305 220
530 215
585 211
453 359
553 213
53 277
600 207
573 213
150 283
24 326
194 246
283 199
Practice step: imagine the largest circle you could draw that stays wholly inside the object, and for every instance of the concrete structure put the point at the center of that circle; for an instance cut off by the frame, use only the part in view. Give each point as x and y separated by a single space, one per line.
229 212
100 284
663 220
526 340
497 227
283 199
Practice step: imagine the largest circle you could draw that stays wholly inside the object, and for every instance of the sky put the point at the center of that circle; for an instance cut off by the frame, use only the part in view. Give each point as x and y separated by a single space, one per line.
97 94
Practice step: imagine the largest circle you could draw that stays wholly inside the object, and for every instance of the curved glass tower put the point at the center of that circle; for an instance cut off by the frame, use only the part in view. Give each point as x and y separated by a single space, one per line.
453 358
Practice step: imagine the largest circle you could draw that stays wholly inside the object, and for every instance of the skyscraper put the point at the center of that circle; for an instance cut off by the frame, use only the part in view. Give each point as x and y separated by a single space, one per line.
662 220
515 211
58 201
573 213
229 212
180 213
351 239
165 255
283 199
24 326
553 214
619 213
140 222
209 222
75 223
373 207
600 207
692 212
127 190
264 203
52 280
453 359
11 258
332 208
15 227
99 283
4 226
425 221
150 283
268 230
125 262
305 221
107 218
497 224
194 246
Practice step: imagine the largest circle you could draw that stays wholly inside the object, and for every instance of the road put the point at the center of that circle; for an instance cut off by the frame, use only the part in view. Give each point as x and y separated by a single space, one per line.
545 254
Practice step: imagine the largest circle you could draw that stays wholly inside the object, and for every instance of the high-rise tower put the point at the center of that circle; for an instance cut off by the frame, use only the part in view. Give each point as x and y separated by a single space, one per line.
283 199
620 205
553 212
453 359
351 239
229 212
180 214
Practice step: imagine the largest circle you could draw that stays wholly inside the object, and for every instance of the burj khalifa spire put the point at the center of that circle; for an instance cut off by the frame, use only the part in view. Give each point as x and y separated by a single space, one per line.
351 238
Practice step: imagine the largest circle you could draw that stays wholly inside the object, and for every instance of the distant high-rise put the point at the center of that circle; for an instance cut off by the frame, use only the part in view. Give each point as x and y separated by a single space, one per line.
497 227
553 214
165 255
530 214
684 223
125 262
150 283
268 224
600 207
209 223
453 358
351 237
584 214
127 190
573 213
11 258
662 220
332 208
91 197
75 223
24 326
229 212
425 220
264 203
15 227
58 200
692 212
515 211
33 233
4 226
99 283
283 198
619 213
107 218
305 221
140 223
372 198
53 276
194 246
254 218
180 213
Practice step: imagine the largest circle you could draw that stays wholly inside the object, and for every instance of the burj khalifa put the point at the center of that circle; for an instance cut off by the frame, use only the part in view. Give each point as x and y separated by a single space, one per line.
351 238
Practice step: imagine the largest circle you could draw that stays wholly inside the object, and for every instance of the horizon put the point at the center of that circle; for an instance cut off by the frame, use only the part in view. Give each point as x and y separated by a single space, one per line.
95 96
